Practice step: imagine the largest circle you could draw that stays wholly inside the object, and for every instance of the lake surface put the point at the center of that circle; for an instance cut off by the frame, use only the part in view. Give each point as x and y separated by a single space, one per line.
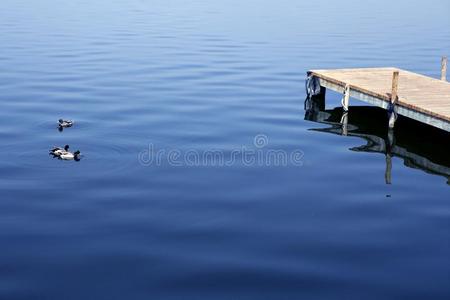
179 108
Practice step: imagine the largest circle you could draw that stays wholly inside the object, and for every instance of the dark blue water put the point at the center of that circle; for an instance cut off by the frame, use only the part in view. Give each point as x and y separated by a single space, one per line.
168 99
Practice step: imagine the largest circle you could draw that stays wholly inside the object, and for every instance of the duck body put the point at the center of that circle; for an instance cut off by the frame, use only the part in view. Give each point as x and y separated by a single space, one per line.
70 156
65 123
57 151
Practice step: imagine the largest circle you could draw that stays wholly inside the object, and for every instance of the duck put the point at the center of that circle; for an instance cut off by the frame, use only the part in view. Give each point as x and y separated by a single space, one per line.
65 123
57 151
70 156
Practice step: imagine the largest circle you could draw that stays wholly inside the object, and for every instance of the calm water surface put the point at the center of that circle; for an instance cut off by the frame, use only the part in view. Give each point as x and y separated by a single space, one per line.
197 76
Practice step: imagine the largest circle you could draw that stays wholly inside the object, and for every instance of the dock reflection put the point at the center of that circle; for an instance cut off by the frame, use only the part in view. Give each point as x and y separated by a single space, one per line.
420 146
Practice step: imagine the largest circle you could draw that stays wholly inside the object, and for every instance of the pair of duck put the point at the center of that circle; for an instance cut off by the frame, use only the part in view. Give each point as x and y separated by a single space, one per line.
64 153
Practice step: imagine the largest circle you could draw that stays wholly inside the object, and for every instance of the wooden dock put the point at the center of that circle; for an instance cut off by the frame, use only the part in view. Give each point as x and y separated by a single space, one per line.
415 96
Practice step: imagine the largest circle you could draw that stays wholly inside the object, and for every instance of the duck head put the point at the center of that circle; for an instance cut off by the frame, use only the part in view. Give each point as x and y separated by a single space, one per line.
76 155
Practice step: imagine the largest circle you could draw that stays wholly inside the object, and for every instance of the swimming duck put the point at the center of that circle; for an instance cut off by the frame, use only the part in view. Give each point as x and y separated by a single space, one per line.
70 156
57 151
65 123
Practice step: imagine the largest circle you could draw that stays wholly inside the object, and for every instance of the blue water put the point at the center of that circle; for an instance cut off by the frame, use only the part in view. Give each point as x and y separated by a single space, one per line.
142 78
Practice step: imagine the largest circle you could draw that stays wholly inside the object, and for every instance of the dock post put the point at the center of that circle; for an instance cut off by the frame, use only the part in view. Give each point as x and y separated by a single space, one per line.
346 97
394 93
444 68
394 97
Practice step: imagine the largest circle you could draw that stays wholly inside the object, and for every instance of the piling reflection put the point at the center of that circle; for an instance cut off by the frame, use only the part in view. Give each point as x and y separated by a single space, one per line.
420 146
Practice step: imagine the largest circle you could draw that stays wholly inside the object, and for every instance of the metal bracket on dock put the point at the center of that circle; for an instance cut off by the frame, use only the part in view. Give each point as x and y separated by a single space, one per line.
346 97
392 113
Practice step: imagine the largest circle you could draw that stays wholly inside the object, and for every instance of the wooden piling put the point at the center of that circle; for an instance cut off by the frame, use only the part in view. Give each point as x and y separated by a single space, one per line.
444 68
394 90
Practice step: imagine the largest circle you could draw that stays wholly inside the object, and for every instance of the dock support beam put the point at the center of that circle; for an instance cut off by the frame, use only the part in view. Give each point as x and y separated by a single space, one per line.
394 93
444 68
394 97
